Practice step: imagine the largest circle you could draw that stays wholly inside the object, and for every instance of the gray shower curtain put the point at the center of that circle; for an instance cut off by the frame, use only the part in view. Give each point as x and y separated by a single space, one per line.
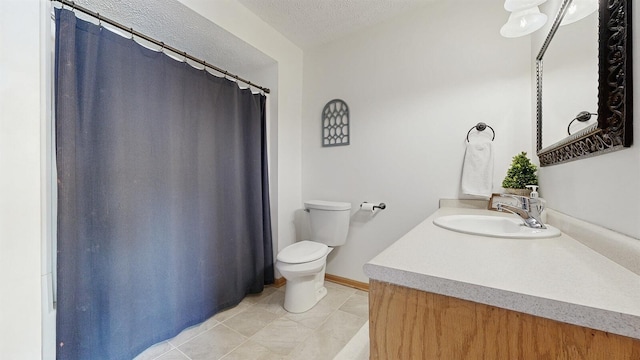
163 210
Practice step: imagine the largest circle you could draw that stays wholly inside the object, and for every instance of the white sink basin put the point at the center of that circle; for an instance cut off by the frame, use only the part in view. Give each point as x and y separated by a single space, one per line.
494 226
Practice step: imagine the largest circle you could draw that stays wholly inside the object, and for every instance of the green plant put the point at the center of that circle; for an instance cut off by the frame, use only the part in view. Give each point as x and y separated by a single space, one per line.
521 173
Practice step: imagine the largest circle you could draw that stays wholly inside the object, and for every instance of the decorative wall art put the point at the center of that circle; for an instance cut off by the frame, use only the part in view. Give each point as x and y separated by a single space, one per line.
335 123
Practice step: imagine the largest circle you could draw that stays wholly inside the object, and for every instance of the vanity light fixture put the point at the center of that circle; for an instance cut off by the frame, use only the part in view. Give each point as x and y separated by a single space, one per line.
582 116
523 22
579 9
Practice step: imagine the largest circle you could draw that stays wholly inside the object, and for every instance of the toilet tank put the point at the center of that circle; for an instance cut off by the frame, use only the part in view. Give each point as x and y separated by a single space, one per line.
329 221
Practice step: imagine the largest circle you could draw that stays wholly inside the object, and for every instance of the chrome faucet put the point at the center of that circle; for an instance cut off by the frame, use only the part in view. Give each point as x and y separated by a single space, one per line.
529 209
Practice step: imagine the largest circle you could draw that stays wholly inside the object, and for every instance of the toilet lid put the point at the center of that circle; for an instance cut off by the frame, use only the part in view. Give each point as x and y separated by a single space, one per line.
303 251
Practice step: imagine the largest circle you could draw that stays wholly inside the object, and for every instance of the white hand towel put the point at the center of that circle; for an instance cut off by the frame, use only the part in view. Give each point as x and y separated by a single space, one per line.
477 170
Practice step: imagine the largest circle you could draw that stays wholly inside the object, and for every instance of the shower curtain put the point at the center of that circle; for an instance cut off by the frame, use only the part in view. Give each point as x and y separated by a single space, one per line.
163 210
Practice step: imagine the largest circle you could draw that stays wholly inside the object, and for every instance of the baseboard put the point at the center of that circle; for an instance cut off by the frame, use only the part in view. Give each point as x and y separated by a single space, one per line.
279 282
347 282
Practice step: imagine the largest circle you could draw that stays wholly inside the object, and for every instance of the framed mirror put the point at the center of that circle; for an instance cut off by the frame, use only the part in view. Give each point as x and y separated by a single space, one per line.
613 104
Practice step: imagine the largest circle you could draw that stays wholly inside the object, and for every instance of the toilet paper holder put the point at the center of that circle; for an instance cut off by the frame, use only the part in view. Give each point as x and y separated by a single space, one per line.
380 206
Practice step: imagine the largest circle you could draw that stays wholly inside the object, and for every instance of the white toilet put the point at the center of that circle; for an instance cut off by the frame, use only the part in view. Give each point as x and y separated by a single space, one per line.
303 263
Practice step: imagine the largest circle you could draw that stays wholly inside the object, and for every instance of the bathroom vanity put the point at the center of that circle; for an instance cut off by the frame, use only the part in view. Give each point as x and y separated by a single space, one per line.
440 294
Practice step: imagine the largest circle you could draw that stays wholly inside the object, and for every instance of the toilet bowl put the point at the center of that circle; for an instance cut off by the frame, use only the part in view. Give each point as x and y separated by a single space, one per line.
303 263
304 269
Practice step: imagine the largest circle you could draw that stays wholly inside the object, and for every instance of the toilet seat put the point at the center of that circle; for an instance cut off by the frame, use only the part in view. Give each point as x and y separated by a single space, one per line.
302 252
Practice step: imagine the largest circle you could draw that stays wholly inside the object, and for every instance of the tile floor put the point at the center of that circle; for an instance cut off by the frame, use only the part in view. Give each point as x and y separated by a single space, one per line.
260 329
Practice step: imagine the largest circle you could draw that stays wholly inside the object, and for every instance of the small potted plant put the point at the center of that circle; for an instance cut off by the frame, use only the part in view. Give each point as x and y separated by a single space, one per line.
521 173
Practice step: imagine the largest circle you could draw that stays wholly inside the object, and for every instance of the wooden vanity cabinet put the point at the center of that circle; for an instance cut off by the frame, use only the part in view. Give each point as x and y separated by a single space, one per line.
409 324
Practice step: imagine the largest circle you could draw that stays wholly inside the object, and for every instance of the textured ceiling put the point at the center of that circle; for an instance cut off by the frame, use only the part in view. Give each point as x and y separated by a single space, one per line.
177 25
309 23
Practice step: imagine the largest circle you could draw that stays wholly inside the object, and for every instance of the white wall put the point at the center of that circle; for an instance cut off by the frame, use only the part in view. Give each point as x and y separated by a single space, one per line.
414 86
604 189
20 183
286 170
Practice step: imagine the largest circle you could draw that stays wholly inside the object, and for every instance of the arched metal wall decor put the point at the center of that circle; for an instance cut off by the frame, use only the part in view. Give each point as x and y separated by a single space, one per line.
335 123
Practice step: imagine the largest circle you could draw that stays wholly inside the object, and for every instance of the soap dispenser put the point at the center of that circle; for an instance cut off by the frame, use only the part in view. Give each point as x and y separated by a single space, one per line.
542 202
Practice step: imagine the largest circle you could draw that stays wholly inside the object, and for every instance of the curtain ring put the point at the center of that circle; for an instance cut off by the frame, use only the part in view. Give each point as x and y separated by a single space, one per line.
132 36
184 53
162 46
204 63
99 20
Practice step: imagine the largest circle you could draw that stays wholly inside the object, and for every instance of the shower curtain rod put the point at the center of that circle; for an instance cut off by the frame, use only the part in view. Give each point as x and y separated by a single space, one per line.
162 45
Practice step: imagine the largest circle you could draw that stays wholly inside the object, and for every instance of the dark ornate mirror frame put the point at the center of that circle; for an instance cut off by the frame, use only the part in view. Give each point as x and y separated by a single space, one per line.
614 130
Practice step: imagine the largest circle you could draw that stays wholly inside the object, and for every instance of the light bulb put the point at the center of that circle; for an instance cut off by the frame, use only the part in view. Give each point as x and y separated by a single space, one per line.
523 22
579 9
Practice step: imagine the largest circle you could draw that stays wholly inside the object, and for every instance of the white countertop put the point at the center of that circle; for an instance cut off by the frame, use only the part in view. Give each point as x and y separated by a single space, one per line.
556 278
